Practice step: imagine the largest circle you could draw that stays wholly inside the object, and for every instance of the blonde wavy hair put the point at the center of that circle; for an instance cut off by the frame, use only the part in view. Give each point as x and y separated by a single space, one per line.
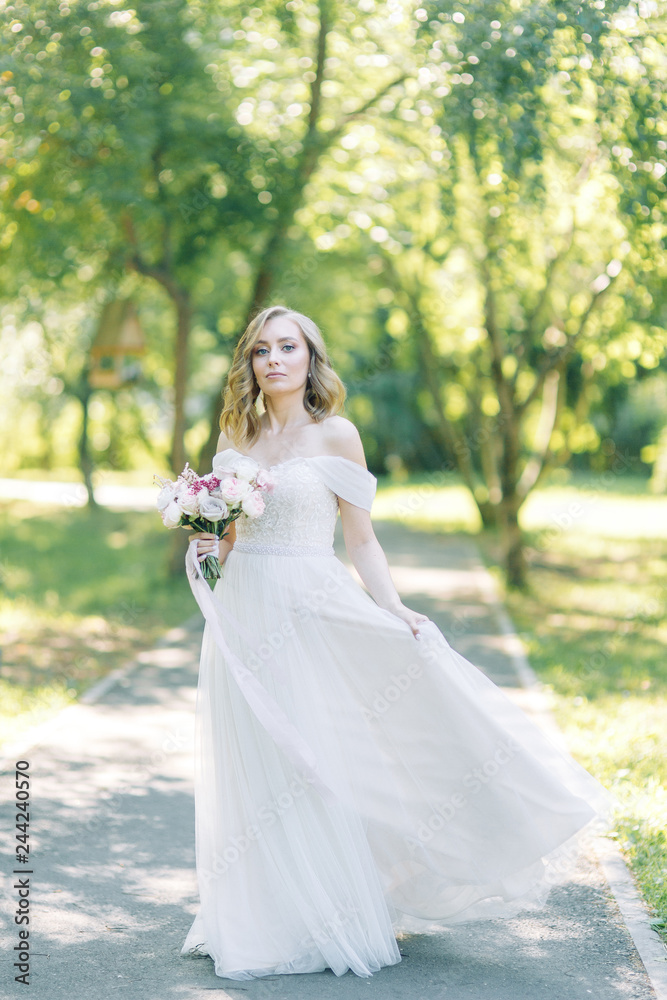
324 394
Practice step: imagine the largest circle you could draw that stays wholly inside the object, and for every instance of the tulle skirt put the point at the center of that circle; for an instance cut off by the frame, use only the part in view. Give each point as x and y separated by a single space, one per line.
447 803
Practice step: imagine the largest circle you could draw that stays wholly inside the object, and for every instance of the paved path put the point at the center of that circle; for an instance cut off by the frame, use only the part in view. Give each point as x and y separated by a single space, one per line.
113 831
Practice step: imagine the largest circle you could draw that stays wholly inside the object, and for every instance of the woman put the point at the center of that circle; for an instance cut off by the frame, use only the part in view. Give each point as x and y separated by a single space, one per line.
392 786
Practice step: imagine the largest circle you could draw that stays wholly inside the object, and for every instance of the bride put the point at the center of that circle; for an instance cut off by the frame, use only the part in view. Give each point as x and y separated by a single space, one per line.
386 785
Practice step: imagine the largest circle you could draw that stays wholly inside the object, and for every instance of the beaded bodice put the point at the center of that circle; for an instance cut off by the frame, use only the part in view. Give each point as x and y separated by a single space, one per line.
300 511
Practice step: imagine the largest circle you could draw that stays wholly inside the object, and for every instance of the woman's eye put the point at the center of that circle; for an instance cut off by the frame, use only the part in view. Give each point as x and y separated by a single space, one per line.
261 350
288 347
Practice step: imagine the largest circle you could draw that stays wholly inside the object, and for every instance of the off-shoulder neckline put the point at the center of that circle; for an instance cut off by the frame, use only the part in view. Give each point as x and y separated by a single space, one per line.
295 458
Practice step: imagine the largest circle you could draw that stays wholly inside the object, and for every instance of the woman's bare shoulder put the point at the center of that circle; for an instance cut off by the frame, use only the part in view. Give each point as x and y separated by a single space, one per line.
223 442
340 437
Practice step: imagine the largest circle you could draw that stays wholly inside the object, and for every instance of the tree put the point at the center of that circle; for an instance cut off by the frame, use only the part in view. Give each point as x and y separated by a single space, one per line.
184 133
319 125
516 256
136 165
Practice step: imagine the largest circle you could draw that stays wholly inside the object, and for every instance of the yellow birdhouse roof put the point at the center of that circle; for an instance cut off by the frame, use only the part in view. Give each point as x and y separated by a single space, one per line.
119 330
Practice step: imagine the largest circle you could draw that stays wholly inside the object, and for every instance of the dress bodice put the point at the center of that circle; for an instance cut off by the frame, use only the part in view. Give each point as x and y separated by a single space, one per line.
301 509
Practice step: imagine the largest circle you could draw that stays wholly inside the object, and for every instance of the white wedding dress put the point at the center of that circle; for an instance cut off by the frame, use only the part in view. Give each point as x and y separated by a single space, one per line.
385 785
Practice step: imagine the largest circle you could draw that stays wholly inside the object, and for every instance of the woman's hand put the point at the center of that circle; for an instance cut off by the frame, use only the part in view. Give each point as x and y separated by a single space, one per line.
207 544
413 618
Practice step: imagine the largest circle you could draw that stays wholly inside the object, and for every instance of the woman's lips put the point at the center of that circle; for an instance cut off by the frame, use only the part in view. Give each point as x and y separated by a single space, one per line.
276 375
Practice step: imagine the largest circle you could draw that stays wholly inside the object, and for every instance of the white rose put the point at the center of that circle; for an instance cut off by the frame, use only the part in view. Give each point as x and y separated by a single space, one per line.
234 490
166 495
253 504
246 469
213 509
171 515
189 502
221 469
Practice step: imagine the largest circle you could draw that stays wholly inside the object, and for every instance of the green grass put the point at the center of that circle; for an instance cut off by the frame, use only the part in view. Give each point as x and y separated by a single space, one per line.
595 629
80 593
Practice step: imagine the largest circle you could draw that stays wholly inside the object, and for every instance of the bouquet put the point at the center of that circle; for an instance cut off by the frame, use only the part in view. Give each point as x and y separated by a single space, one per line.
212 502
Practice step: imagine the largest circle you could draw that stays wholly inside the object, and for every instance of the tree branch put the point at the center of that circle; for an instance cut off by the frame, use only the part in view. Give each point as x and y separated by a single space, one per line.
366 106
451 440
167 251
545 425
503 387
546 288
559 356
138 263
316 87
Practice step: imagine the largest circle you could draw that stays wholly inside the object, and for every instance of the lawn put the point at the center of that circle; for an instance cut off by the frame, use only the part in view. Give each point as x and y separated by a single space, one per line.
595 628
594 624
81 593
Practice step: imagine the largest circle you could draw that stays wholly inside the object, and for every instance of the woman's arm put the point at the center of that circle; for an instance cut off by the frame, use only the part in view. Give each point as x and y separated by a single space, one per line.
227 543
370 562
363 548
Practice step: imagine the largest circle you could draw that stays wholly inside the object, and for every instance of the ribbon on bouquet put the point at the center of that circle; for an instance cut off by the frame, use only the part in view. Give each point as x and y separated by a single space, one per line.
266 710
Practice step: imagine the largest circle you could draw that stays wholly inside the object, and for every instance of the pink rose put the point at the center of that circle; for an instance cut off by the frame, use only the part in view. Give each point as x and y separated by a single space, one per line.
253 504
264 480
233 490
189 500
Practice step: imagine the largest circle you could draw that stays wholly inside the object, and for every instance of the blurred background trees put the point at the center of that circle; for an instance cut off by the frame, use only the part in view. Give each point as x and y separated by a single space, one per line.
469 202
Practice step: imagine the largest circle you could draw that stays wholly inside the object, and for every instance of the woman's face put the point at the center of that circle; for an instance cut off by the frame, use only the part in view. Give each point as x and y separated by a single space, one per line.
280 357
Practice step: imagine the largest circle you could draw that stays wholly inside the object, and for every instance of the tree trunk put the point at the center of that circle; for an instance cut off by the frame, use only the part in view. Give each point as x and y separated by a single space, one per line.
180 540
45 424
514 554
488 512
177 457
164 275
85 459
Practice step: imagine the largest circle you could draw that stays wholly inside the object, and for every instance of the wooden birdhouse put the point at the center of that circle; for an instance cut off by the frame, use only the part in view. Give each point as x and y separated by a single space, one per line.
118 344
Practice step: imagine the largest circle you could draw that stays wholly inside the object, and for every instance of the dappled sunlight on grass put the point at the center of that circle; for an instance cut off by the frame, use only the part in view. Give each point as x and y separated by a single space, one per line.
622 739
427 505
595 628
101 477
21 706
82 592
620 511
606 514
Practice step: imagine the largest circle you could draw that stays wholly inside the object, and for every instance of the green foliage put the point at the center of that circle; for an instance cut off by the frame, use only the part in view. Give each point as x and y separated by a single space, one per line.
519 157
137 137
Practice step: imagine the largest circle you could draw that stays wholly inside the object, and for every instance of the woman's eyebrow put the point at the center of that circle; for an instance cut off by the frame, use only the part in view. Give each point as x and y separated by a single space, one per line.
280 340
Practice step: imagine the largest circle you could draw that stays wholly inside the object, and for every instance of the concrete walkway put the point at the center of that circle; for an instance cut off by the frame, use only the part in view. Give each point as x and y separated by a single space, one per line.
114 891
